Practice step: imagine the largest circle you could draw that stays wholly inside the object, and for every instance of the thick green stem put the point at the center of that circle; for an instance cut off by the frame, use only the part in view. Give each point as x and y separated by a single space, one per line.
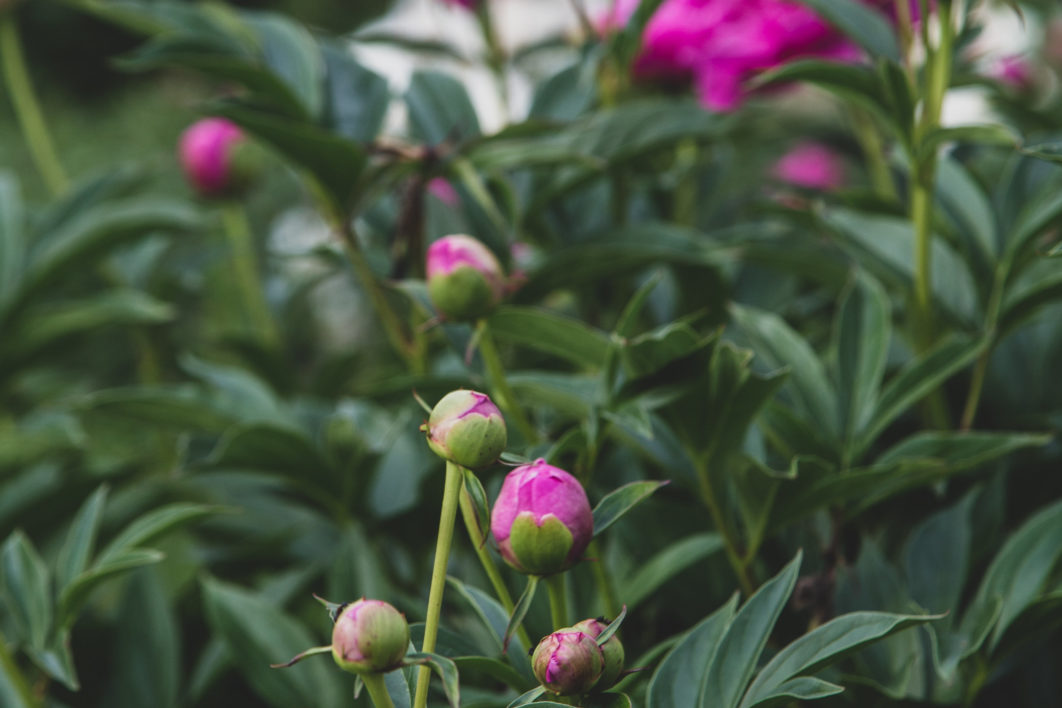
12 683
26 106
733 553
479 538
392 325
377 688
499 385
245 271
558 601
451 496
922 216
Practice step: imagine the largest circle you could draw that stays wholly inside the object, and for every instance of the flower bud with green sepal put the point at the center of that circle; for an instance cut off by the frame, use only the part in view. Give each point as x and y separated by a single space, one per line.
369 636
542 519
568 662
465 279
612 650
466 428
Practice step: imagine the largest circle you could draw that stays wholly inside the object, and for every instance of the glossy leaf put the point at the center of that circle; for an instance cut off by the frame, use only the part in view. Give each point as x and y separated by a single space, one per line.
551 333
356 98
523 604
289 50
447 671
863 329
439 108
27 589
80 539
803 688
152 525
666 564
77 592
619 501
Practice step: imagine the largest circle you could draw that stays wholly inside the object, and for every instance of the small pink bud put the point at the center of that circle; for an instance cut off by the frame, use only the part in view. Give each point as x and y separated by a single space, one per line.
611 650
466 428
542 519
206 152
1013 71
369 636
568 662
812 166
465 279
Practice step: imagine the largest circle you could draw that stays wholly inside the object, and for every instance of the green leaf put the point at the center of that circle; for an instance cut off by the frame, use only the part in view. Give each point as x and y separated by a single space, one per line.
608 699
868 28
650 352
14 691
80 539
915 381
334 162
983 134
1021 569
936 559
722 685
959 450
179 407
613 627
676 682
477 495
27 589
356 99
853 81
528 697
803 688
152 525
495 619
439 108
1037 287
666 564
523 604
494 668
291 53
77 592
447 671
863 329
619 501
780 346
57 660
1038 212
257 634
823 646
397 685
12 240
551 333
966 202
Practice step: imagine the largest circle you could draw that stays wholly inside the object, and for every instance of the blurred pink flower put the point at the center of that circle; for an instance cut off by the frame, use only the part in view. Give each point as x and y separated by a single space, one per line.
469 4
205 151
1013 71
811 165
720 44
442 190
615 16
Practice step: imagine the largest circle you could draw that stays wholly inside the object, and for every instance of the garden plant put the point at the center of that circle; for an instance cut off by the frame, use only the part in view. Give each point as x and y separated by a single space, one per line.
710 366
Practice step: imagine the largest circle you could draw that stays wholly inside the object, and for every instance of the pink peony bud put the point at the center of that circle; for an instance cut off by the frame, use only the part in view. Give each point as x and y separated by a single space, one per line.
568 662
206 154
442 190
1013 71
465 280
542 519
812 166
369 636
611 651
466 428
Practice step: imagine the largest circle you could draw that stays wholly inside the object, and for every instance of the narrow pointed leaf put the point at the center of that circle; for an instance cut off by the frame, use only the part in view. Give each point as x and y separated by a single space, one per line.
26 589
76 594
618 502
447 671
152 525
520 610
612 628
80 539
803 688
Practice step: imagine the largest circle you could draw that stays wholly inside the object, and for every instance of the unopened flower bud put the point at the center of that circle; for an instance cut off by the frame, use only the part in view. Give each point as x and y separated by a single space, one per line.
369 636
466 428
611 650
568 662
465 280
208 153
542 519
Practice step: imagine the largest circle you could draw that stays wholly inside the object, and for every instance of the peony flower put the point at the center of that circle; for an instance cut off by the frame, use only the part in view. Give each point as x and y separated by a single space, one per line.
465 280
206 153
811 165
466 428
542 519
369 636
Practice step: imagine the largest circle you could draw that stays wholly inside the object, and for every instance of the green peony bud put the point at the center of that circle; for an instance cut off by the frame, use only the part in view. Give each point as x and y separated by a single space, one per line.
369 636
465 280
466 428
612 650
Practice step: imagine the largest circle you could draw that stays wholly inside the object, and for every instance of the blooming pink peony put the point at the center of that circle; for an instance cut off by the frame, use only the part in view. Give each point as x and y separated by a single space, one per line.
811 165
720 44
205 151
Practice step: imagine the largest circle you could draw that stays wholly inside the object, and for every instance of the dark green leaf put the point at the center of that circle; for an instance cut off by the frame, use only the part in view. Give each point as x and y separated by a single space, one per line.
863 329
447 671
666 564
936 559
527 697
356 99
1037 287
985 134
804 688
291 53
14 691
523 604
440 109
12 241
865 26
847 80
555 334
80 540
27 589
676 682
150 526
494 668
1037 213
77 592
619 501
959 450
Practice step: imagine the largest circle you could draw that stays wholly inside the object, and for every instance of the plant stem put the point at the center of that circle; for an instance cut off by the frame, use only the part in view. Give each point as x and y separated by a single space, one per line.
26 106
739 565
245 270
402 345
451 495
499 386
377 688
14 678
479 539
558 601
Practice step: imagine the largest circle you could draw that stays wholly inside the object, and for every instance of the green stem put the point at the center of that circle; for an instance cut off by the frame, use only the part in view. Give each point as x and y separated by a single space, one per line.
12 676
922 216
733 554
558 601
26 106
874 151
377 688
603 581
451 496
499 385
245 271
392 325
479 542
